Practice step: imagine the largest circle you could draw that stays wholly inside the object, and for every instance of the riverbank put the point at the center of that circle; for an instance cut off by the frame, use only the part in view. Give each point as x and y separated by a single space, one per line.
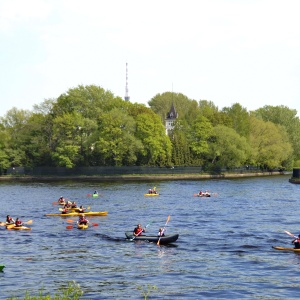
144 177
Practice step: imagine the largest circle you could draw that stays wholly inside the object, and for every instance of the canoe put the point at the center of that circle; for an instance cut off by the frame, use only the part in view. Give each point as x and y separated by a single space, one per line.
1 268
167 239
76 214
149 195
285 249
82 226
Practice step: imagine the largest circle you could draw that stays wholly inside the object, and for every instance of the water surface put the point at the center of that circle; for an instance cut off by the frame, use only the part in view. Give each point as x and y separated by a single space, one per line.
223 251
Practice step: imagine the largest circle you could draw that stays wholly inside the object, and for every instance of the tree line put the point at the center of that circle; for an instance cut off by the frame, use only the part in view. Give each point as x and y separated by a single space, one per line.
89 126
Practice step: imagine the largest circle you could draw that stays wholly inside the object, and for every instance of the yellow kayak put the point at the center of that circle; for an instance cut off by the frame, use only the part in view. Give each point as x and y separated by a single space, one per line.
285 249
149 195
76 214
14 227
82 226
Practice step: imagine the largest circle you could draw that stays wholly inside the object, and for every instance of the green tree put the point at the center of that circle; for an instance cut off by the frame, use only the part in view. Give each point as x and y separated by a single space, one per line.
199 135
152 134
228 149
116 142
270 144
282 115
240 119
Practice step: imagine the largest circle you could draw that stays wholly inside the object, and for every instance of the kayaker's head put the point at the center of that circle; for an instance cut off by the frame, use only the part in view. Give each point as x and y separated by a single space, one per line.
298 235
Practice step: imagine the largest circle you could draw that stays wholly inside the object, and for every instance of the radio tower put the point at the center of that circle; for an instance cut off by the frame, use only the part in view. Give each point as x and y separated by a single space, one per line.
126 98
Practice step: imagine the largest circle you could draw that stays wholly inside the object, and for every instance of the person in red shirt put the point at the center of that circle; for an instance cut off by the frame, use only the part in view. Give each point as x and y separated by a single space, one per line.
138 230
296 242
82 220
18 222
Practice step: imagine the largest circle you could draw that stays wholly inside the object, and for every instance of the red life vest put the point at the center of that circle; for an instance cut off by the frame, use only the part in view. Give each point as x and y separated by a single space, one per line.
138 231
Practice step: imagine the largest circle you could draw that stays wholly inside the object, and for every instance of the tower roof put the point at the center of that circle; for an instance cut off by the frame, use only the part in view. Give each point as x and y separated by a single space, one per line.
172 114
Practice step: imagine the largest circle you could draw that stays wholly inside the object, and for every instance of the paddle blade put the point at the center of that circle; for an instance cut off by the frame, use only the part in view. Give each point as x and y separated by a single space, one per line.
70 221
29 222
289 233
195 195
54 203
169 217
69 226
95 224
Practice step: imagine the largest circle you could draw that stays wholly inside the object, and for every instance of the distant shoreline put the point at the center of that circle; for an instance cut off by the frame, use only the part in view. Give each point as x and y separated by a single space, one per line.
138 177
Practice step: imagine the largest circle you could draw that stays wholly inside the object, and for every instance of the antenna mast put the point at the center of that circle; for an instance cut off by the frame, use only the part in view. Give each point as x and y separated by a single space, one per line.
126 98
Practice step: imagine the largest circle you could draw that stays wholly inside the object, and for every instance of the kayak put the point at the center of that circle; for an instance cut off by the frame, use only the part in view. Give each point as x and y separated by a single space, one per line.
153 194
1 268
285 249
76 214
82 226
95 195
167 239
208 195
18 227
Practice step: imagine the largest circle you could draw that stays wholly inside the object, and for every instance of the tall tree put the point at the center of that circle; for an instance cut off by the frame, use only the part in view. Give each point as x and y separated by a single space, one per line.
228 148
270 144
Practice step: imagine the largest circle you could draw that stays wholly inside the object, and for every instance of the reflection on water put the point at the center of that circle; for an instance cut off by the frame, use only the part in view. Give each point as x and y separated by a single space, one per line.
223 251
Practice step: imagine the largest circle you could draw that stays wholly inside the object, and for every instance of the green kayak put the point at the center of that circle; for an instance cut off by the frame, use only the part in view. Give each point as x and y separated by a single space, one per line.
285 249
1 268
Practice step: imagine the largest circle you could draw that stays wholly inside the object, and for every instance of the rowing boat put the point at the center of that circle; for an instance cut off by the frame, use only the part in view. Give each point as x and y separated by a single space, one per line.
167 239
285 249
1 268
153 194
76 214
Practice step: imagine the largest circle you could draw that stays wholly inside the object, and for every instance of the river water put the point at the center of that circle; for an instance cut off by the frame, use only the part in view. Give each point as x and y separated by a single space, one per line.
223 251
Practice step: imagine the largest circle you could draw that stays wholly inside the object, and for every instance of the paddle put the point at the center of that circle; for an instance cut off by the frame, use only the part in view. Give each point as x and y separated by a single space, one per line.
289 233
168 219
140 232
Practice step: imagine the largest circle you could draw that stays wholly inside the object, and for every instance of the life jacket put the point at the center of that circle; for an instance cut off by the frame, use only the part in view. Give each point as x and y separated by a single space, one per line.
138 231
18 223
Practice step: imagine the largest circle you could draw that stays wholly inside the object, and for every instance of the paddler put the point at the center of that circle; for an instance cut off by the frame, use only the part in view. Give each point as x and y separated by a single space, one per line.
138 230
9 220
18 223
61 200
81 209
161 232
82 220
73 205
296 242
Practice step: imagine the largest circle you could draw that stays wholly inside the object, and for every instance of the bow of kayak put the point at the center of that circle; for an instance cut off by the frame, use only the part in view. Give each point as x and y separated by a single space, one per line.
286 249
82 226
1 268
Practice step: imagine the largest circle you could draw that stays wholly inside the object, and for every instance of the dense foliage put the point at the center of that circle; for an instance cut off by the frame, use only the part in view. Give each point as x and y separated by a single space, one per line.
89 126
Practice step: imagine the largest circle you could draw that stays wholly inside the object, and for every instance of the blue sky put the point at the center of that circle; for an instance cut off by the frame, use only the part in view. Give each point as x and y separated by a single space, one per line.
243 51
